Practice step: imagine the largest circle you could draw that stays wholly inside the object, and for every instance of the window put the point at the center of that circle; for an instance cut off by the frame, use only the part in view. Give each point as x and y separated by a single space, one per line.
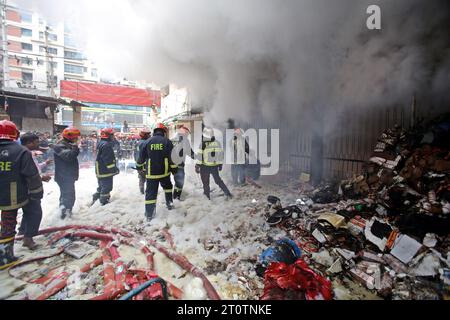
27 32
73 55
54 65
27 77
70 68
27 46
49 50
26 61
41 35
26 17
69 41
94 73
52 37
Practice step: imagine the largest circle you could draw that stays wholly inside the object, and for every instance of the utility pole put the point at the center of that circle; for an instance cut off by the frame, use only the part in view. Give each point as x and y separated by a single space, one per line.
4 40
49 64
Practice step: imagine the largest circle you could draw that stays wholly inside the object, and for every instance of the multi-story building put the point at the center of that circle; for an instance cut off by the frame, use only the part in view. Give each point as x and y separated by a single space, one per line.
39 54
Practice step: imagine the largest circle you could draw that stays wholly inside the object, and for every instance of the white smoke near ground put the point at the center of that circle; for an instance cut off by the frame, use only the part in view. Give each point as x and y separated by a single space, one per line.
290 61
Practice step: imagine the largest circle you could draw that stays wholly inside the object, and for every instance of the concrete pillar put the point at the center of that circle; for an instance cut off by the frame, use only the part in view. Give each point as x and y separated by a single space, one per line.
77 117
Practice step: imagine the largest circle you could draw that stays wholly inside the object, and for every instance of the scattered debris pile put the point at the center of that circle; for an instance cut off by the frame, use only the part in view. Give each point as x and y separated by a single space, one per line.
101 272
388 228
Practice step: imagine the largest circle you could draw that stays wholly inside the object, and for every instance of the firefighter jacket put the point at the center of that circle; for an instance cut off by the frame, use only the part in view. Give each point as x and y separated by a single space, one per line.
138 149
182 149
210 153
105 164
155 157
19 177
66 161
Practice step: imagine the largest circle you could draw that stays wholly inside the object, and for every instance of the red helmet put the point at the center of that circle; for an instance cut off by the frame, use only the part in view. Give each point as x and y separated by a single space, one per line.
106 133
161 126
8 130
184 130
71 134
145 133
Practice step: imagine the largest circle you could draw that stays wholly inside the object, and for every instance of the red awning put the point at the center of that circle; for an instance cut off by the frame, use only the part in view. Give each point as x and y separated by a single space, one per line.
109 94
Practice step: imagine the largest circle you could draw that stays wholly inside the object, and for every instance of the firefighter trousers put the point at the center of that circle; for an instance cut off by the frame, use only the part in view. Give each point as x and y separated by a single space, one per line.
142 180
31 220
105 186
179 182
151 194
205 173
67 193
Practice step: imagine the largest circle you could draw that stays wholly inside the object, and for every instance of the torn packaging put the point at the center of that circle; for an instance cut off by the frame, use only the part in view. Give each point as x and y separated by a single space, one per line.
405 248
378 232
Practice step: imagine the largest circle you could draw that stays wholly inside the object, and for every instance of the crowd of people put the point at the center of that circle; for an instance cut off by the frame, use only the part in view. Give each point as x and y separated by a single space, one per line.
28 160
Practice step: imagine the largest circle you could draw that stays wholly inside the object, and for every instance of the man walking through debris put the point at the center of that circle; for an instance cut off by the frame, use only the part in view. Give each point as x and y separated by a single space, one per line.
105 167
32 212
182 148
19 183
241 150
210 161
145 134
67 169
155 157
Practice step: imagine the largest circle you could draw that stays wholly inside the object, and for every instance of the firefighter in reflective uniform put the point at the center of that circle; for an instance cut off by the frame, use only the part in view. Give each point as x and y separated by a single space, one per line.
182 148
105 167
67 169
155 158
145 134
20 183
210 162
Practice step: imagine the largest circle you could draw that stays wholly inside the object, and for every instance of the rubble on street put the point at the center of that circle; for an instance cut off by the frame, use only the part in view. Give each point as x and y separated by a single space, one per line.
388 228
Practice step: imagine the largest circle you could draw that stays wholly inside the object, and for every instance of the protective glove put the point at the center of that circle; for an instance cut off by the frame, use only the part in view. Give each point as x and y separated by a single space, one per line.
220 167
197 169
174 171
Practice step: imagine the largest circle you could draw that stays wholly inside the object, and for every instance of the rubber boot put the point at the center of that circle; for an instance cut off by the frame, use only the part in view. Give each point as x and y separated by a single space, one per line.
7 258
63 213
69 213
95 197
177 195
105 199
170 206
150 213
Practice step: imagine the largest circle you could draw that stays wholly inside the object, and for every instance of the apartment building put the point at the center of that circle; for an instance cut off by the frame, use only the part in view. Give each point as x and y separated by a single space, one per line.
38 54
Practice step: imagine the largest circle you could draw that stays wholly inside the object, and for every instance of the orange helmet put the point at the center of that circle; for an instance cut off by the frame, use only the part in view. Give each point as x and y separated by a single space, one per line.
145 133
8 130
106 133
161 126
71 134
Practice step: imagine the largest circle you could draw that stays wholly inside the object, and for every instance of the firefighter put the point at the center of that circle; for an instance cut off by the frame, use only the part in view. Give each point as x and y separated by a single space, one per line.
182 148
155 157
67 169
210 162
20 182
105 167
241 150
145 134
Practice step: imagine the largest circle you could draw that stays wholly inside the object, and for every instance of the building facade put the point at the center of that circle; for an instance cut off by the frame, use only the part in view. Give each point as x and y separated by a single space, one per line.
38 54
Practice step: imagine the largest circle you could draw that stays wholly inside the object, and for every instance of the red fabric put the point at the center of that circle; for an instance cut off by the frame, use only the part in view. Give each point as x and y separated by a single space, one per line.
109 94
295 282
8 224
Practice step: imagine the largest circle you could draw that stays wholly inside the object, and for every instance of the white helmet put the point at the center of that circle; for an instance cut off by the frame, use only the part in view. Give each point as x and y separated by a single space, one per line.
208 133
